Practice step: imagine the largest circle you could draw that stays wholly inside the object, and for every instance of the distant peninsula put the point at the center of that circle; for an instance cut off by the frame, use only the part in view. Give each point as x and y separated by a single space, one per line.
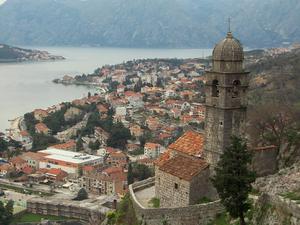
15 54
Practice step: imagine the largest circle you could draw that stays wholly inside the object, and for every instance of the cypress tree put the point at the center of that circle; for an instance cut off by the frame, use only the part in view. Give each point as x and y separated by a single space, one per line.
233 178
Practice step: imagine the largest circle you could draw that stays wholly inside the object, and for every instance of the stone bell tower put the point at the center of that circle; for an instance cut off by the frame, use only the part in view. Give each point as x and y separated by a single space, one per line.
226 93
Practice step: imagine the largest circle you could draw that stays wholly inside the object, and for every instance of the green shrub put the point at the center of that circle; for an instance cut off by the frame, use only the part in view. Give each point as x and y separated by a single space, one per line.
155 202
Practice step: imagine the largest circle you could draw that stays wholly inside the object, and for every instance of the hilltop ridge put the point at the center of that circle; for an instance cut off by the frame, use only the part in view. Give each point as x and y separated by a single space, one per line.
144 23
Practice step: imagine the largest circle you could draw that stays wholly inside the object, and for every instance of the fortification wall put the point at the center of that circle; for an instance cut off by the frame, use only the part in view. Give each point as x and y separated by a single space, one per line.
43 207
200 214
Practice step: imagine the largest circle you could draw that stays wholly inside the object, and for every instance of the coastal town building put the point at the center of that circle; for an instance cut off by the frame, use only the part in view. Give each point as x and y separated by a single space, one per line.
68 161
56 175
5 168
42 128
40 114
33 159
18 163
152 150
116 158
111 181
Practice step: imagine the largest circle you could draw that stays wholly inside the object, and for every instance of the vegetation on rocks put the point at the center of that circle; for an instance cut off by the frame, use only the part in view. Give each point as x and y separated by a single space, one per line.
138 172
6 212
81 195
124 215
154 202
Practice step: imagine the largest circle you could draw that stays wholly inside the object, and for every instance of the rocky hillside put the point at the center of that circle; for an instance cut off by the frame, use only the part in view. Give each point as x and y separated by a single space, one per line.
274 102
148 23
279 202
14 54
275 74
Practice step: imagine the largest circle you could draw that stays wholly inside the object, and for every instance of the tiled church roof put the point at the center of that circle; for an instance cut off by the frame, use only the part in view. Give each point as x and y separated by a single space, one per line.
190 143
184 167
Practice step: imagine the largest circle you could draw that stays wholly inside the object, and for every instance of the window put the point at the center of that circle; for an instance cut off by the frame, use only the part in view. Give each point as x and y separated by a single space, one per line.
215 89
176 186
236 87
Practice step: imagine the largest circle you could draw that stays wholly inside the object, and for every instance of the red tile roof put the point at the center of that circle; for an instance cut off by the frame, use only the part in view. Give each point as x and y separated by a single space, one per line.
24 133
152 146
164 157
33 155
65 146
27 170
56 172
42 171
102 108
117 154
41 127
17 160
164 136
190 143
184 167
112 170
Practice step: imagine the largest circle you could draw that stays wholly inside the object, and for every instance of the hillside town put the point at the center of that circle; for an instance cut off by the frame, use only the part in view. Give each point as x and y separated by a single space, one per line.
146 119
141 108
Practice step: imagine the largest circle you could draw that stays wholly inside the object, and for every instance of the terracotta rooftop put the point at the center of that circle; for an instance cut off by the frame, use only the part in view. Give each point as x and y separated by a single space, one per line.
17 160
111 170
184 167
65 146
164 157
152 146
24 133
41 127
56 172
190 143
117 154
27 170
34 155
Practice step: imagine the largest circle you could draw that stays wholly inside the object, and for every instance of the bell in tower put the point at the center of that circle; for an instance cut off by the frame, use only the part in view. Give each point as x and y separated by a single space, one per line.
226 98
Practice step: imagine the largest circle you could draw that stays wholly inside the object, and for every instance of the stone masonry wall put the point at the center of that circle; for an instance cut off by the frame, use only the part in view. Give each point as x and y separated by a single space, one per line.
65 210
201 187
168 194
191 215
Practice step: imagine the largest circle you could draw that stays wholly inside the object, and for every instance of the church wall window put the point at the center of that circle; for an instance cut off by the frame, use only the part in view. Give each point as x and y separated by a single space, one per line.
236 89
215 88
176 186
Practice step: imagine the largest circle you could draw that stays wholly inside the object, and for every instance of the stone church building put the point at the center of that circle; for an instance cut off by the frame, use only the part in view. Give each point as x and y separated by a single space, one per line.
182 172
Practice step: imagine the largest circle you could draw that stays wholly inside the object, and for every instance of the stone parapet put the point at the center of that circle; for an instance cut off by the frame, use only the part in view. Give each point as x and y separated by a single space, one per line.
200 214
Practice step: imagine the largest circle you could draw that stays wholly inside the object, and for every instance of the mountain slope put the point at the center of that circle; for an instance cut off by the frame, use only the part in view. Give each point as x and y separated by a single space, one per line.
14 54
148 23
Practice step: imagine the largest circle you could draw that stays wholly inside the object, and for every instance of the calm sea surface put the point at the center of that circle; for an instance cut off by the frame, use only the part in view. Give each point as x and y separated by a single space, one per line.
27 86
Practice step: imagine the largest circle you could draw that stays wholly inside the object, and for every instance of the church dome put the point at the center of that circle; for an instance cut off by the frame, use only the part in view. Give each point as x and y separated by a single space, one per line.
229 49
